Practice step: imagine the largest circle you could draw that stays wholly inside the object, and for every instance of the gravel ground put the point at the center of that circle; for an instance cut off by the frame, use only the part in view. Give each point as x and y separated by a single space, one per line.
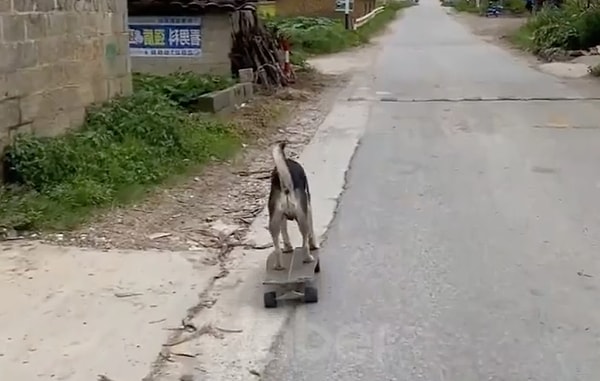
190 214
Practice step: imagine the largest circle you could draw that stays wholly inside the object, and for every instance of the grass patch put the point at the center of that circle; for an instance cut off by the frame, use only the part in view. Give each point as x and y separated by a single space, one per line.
322 35
465 6
595 70
183 88
522 38
125 147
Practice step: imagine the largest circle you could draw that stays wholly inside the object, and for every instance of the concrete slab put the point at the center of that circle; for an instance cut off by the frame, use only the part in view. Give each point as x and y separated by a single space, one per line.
566 69
588 60
71 314
243 350
225 100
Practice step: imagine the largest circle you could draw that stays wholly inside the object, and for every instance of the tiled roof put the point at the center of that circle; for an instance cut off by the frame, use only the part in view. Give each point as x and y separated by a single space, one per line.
189 6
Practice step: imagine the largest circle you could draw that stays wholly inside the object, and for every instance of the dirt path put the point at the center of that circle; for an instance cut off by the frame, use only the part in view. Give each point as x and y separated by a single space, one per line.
189 214
492 29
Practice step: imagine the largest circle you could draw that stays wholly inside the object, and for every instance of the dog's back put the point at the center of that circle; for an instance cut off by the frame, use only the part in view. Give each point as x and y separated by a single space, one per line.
289 185
289 200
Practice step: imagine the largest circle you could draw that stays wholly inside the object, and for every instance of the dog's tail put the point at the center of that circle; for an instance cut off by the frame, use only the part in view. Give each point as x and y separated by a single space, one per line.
285 177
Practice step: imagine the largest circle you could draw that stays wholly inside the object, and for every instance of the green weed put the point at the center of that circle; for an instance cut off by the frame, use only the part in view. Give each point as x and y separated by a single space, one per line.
322 35
125 147
569 27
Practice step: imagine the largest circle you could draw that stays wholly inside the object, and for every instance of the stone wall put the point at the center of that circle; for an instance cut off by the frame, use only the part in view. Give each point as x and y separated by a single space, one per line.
216 46
56 58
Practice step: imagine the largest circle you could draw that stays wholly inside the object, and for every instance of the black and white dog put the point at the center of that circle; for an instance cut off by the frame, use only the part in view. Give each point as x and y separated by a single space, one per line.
289 200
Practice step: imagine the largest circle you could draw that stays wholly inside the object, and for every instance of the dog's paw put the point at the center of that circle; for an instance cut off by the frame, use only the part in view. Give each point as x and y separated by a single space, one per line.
313 247
308 259
287 248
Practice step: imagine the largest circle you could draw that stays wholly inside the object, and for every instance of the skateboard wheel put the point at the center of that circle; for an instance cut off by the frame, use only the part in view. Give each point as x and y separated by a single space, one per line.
318 267
270 299
311 295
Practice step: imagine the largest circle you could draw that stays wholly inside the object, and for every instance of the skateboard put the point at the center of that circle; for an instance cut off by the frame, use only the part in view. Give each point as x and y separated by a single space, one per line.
294 281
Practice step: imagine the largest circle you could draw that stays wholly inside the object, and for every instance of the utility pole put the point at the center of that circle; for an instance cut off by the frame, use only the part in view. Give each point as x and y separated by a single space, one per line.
347 14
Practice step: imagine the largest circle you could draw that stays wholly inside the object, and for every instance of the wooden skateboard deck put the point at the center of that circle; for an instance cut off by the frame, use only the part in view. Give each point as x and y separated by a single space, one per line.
295 270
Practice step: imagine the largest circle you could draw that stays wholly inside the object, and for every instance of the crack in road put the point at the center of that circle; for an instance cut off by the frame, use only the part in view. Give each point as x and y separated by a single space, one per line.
473 99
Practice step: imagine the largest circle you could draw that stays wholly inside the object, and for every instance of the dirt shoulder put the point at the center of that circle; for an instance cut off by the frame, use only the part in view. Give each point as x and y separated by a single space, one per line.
188 213
498 31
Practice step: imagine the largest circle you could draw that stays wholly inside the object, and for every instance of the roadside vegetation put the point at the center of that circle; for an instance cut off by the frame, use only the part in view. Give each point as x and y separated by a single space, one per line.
130 145
125 147
573 26
595 70
321 35
513 7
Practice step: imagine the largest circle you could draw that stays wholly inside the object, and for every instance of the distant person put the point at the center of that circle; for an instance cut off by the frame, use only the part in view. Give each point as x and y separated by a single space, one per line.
529 6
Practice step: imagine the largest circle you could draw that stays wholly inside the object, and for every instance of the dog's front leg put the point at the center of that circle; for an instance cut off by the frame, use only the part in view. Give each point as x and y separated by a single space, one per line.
287 245
274 228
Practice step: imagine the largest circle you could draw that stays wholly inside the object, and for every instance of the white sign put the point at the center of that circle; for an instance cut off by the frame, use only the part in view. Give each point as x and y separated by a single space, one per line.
167 36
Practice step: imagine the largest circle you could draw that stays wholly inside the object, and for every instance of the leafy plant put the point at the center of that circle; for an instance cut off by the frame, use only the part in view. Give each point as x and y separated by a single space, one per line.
588 26
571 26
125 146
184 88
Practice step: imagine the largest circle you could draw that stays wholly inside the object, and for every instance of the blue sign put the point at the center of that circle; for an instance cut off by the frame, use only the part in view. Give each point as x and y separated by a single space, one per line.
165 36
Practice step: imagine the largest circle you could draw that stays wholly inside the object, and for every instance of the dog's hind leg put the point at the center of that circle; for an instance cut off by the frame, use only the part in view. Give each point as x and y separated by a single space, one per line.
274 229
287 245
304 227
312 242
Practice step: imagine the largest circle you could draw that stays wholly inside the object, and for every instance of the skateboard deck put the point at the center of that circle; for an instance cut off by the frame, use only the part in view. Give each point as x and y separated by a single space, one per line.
295 270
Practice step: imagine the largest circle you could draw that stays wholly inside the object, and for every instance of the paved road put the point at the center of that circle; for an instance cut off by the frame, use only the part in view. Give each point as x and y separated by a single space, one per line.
466 244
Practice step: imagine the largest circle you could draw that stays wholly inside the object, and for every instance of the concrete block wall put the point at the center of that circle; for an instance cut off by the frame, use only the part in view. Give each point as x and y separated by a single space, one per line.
216 46
56 58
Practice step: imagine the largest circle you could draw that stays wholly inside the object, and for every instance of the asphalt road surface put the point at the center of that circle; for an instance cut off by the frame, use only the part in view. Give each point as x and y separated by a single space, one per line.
465 247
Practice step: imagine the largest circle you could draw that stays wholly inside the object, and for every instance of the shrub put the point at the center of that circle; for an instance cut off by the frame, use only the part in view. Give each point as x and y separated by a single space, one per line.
588 26
314 35
124 146
516 7
568 27
561 34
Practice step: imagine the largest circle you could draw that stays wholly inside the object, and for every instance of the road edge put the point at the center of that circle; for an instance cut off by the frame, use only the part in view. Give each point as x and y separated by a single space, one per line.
239 331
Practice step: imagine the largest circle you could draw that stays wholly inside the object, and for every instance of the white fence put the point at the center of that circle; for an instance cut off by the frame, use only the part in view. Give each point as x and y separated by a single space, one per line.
365 19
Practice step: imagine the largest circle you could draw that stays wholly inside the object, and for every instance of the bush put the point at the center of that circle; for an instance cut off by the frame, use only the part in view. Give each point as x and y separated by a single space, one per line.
568 27
588 26
554 28
516 7
314 35
595 70
124 146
